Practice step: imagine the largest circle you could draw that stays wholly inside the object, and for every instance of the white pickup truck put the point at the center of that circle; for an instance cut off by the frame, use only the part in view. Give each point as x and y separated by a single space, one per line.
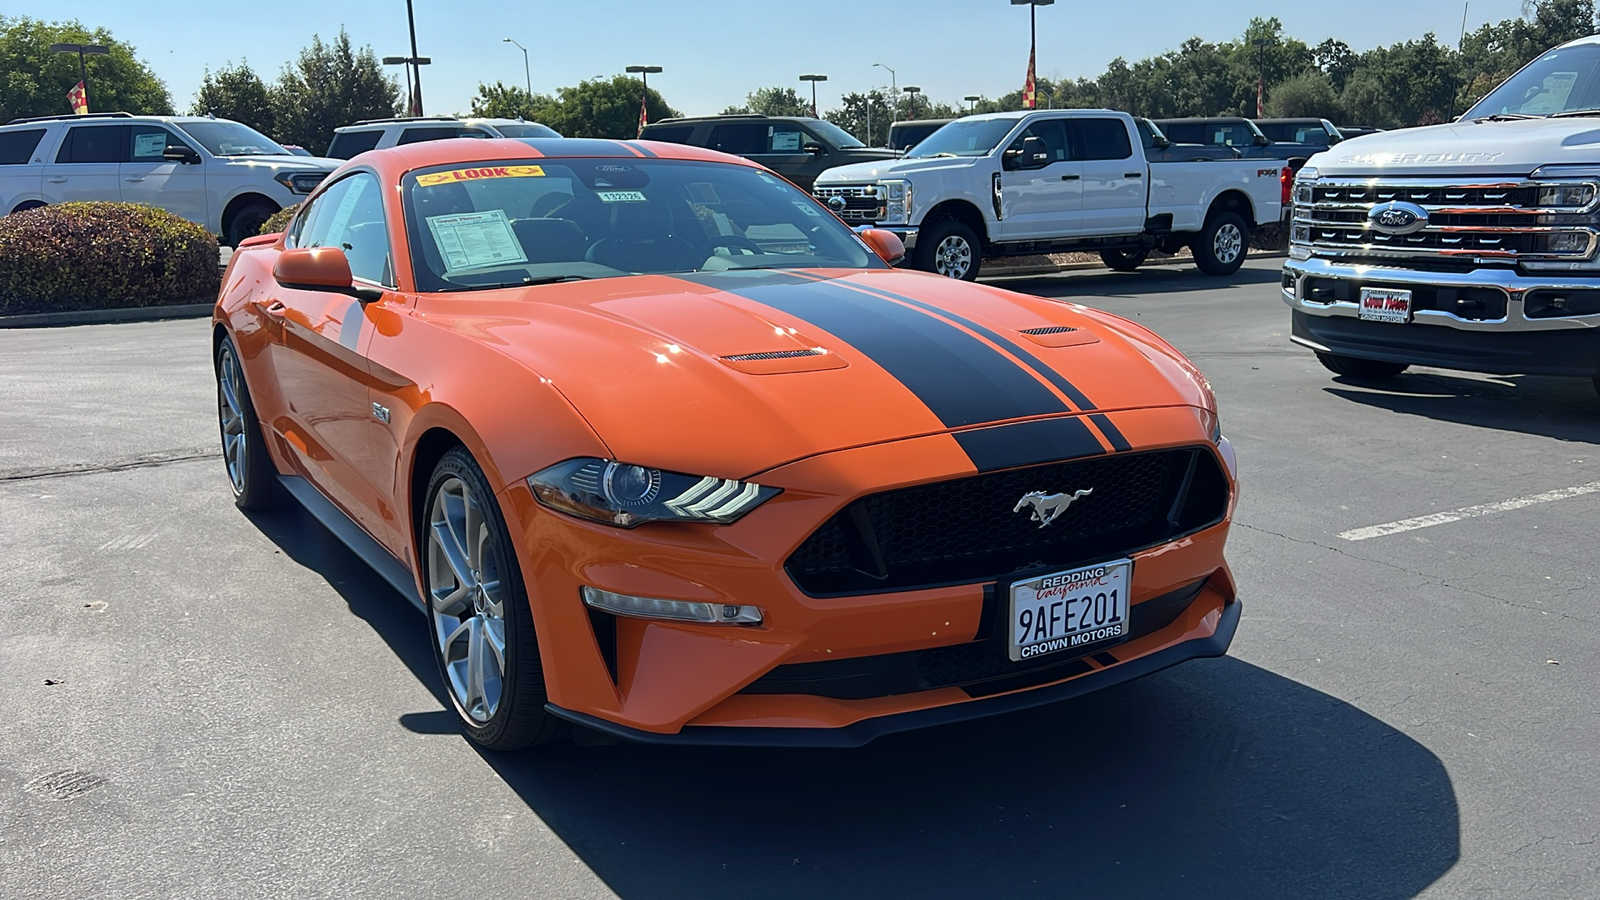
1010 184
1472 245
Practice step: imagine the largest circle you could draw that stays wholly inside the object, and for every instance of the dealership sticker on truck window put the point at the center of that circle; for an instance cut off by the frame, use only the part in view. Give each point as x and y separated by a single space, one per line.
621 197
478 174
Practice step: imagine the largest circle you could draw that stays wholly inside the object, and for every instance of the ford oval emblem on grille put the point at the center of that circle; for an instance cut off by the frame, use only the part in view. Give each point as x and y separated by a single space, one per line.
1398 217
837 203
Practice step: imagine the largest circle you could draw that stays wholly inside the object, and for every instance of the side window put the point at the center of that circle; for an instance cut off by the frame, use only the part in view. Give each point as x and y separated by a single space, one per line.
350 143
1101 139
675 134
438 133
16 147
95 144
349 215
1185 134
1054 134
745 139
150 143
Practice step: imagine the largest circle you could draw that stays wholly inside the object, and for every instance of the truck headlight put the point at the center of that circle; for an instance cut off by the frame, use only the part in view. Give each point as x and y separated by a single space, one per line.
1564 196
1304 186
897 202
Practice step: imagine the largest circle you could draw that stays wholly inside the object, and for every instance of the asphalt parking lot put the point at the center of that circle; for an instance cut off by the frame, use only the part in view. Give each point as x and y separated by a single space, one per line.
198 703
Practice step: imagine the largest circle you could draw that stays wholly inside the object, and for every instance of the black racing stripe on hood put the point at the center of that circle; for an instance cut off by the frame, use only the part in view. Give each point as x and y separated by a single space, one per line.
959 378
1029 443
642 150
1078 397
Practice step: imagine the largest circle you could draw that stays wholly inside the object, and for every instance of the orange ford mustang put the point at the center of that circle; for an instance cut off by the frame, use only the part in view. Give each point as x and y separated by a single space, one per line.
664 449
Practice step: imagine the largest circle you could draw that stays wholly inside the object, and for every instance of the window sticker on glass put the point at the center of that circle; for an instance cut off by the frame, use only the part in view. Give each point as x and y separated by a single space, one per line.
347 206
809 209
785 141
149 146
471 240
701 192
621 197
434 178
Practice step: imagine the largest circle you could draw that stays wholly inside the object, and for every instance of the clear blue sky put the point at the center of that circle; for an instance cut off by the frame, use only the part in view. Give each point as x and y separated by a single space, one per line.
714 52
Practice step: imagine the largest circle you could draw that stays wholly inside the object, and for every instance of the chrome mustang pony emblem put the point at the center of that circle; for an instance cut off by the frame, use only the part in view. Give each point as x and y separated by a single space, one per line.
1049 507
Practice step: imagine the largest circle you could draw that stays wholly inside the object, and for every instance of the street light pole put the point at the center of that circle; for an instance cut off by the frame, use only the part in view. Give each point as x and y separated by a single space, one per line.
83 69
644 99
416 81
973 100
814 79
913 90
1033 34
409 62
526 72
1261 74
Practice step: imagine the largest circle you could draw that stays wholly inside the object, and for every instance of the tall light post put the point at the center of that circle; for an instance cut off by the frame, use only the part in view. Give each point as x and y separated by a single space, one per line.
416 67
414 91
814 79
972 99
644 73
526 72
83 70
1033 42
1261 74
893 87
912 90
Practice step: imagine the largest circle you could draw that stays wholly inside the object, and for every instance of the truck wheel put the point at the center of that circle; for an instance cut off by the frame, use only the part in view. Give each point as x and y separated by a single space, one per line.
1219 248
950 249
1123 260
1361 369
247 223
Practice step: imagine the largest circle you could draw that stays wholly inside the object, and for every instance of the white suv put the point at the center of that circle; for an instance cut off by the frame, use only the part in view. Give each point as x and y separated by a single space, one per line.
377 134
221 174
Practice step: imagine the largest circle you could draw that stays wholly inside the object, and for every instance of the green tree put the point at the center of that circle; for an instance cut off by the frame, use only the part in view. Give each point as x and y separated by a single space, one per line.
772 101
1310 94
867 116
328 86
502 101
604 109
35 82
236 93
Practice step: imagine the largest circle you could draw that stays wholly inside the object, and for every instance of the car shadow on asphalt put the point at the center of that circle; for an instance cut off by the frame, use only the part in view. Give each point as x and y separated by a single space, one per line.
1213 779
1144 282
1566 409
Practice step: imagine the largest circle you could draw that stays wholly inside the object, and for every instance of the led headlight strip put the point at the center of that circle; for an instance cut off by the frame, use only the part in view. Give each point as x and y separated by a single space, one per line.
625 495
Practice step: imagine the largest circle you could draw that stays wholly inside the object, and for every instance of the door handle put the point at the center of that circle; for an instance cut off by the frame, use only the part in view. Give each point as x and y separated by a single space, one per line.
1133 175
275 308
1069 177
135 179
58 179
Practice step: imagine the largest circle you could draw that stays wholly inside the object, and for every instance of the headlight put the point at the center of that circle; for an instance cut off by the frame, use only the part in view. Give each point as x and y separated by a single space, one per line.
1303 181
1574 196
300 182
624 495
897 202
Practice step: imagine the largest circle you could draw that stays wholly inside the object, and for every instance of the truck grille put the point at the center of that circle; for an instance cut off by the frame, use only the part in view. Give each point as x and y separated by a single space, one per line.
862 203
1467 221
966 530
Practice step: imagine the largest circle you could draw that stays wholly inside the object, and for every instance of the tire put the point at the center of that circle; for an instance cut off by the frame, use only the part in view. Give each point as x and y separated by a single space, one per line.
247 222
949 248
251 474
476 599
26 205
1360 369
1220 247
1123 260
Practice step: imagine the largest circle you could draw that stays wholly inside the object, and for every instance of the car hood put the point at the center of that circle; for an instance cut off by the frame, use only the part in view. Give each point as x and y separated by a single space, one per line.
284 163
1465 148
892 168
734 373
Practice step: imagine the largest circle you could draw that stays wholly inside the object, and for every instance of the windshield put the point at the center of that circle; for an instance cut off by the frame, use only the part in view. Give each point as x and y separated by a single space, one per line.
1562 80
529 130
224 138
488 225
964 137
840 138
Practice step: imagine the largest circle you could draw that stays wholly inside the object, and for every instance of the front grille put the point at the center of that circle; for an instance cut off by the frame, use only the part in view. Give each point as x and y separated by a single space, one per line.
968 530
1497 222
862 203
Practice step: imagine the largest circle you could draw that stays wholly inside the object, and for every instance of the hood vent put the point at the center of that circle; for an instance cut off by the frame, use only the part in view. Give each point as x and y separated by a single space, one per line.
1049 329
772 354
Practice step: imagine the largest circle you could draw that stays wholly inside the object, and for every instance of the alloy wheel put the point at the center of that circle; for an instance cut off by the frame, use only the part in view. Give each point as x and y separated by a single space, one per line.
231 413
953 257
1227 244
466 600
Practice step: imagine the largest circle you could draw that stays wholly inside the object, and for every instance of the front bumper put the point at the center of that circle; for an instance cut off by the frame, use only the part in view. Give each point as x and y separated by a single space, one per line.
859 733
1498 336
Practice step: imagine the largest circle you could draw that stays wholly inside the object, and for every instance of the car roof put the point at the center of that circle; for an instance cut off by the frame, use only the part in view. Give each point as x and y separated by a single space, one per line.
732 117
112 118
1192 119
1299 120
395 161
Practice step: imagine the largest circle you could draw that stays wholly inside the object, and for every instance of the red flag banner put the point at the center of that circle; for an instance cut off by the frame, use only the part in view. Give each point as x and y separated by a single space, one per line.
644 114
1029 96
79 98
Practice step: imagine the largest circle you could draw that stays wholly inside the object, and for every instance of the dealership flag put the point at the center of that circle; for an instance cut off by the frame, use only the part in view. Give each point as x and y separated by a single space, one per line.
79 98
644 114
1029 100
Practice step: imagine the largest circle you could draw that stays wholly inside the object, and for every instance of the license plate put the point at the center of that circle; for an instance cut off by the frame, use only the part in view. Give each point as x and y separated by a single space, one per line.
1385 305
1070 610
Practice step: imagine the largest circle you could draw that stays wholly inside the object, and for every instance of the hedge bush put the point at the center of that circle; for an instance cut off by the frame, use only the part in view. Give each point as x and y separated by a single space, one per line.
95 255
279 220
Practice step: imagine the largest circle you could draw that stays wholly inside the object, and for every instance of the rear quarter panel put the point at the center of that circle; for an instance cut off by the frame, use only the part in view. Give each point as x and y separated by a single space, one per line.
1187 189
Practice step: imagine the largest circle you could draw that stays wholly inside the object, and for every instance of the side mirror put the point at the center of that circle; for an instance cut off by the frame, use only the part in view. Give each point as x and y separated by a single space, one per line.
320 269
1162 142
813 148
886 244
181 154
1262 140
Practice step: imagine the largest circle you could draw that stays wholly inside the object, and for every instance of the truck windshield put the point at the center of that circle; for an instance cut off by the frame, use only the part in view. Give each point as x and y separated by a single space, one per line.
841 139
964 137
1563 80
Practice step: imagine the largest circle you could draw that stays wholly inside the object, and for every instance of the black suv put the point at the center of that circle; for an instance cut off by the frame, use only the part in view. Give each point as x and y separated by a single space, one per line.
1236 132
799 149
1314 132
1159 148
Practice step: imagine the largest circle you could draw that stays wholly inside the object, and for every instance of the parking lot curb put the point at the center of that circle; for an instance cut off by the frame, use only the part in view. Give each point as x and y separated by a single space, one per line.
106 316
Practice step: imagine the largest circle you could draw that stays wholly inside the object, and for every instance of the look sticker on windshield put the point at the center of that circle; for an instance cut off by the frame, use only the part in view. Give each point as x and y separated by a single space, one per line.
471 240
621 197
479 174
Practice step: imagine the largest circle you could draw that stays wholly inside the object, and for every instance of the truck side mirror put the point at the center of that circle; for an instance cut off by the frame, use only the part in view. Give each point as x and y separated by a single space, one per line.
180 154
1262 140
1033 154
813 148
1161 142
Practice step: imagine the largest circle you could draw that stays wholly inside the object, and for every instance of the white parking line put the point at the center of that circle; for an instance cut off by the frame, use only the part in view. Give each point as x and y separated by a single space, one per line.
1361 534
